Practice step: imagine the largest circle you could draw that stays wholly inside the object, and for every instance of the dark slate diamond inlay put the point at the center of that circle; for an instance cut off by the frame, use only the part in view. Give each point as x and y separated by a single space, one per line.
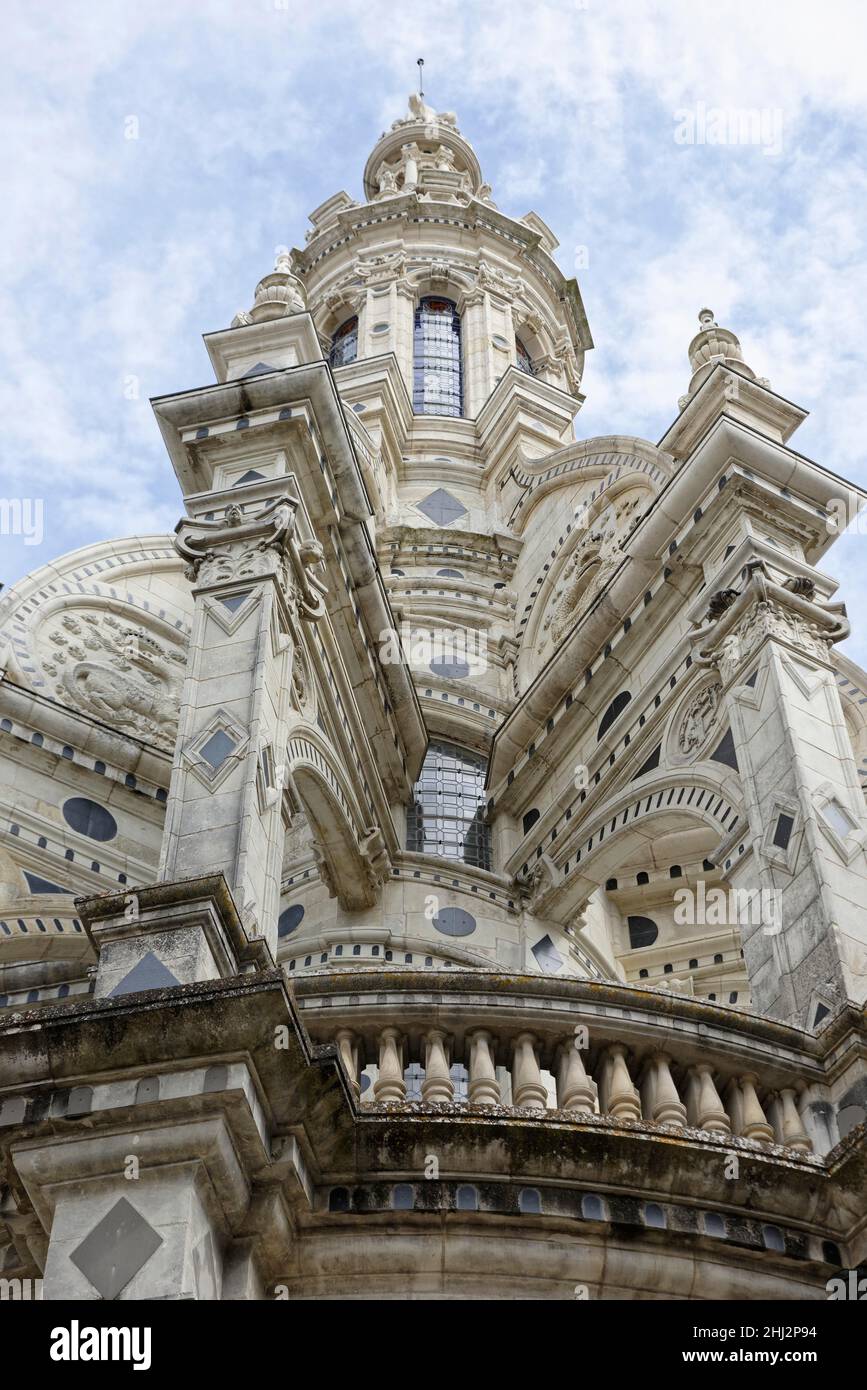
233 601
251 476
259 368
116 1249
548 958
441 507
217 749
150 973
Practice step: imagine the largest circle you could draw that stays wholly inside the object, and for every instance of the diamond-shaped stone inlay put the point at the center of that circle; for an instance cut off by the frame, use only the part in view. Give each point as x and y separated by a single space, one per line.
251 476
116 1249
233 601
217 749
441 507
150 973
259 368
548 958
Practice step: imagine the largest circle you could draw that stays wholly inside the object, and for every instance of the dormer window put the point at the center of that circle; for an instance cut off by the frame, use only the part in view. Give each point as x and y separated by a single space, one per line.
437 387
344 344
524 361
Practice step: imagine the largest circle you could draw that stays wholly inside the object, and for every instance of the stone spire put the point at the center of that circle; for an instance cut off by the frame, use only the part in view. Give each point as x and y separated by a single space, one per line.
277 295
711 345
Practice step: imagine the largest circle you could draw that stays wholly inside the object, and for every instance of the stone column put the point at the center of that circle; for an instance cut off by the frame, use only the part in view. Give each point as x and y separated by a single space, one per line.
390 1084
437 1084
252 585
214 910
771 645
575 1090
483 1088
527 1087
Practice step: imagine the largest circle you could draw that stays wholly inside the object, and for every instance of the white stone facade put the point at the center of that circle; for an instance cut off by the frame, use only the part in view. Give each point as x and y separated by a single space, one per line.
527 761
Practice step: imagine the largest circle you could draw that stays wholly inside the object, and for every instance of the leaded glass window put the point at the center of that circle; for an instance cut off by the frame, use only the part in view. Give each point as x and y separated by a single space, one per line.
344 344
447 813
524 360
437 377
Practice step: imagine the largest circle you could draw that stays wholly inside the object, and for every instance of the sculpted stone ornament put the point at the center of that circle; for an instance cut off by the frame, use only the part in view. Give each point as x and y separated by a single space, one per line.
699 718
377 865
118 672
239 547
738 621
587 570
537 882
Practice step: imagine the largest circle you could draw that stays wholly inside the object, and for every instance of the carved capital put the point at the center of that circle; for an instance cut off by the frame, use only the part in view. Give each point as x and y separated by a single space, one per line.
738 621
241 547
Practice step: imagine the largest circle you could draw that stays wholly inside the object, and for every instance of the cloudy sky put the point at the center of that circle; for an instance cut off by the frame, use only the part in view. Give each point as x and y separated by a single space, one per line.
156 154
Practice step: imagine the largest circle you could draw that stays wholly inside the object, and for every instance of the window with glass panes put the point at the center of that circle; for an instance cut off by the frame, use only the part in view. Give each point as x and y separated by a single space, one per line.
447 813
437 378
524 360
344 344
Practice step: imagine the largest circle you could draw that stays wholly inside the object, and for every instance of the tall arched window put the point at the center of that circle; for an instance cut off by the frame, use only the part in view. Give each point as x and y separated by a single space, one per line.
344 344
524 360
447 813
437 379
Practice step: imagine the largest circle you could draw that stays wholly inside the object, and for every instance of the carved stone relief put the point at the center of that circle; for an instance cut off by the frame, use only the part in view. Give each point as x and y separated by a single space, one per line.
115 670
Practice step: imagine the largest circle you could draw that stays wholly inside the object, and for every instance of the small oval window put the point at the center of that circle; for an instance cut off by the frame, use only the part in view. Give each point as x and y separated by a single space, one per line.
89 818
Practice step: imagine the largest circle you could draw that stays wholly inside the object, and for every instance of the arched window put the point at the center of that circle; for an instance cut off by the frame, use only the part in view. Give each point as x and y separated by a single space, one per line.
344 344
524 360
437 378
447 813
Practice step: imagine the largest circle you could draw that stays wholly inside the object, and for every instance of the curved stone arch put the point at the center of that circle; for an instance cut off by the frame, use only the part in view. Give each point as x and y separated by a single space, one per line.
534 331
592 460
632 819
333 312
455 285
576 539
352 858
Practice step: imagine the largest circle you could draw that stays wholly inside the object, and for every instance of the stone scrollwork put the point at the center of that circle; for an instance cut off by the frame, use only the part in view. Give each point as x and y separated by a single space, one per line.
238 548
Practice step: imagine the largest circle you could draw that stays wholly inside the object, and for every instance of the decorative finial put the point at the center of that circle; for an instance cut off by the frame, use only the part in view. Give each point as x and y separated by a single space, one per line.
711 346
420 62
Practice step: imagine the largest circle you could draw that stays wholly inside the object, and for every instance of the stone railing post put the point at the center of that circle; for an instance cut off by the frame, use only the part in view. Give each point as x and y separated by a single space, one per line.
793 1134
666 1106
575 1090
484 1088
754 1123
527 1087
704 1108
347 1043
437 1084
620 1098
390 1084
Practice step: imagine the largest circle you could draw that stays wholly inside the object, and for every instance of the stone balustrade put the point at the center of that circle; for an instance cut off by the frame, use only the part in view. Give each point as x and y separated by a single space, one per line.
562 1045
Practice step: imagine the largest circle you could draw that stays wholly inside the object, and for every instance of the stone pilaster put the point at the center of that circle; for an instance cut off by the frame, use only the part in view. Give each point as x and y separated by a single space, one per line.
804 850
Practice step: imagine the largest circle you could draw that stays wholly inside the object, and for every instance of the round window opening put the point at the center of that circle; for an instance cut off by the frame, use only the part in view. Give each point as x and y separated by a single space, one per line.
289 920
89 818
454 921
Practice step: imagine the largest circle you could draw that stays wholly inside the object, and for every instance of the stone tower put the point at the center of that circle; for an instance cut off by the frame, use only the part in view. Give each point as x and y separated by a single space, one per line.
454 835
